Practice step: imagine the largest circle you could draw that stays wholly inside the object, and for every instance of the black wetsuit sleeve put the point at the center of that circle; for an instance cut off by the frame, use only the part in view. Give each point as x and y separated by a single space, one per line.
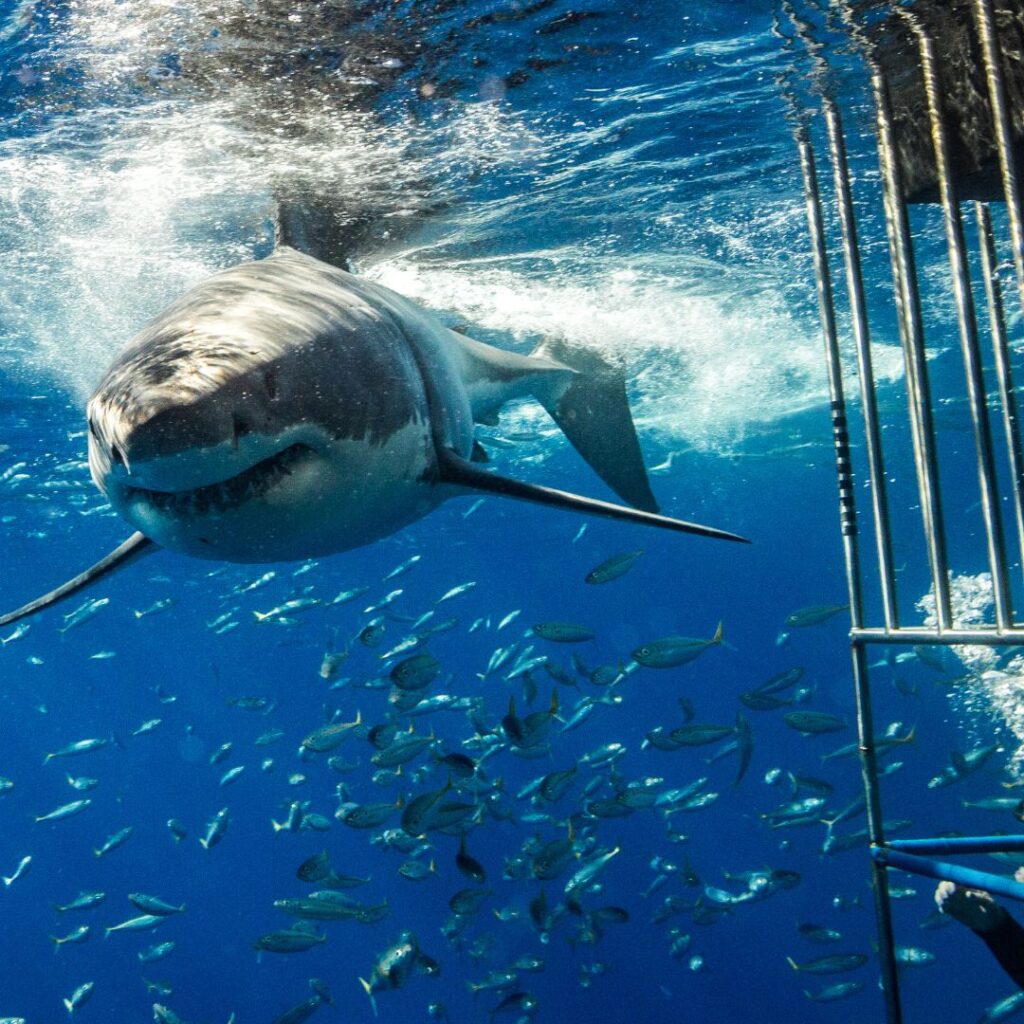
1006 941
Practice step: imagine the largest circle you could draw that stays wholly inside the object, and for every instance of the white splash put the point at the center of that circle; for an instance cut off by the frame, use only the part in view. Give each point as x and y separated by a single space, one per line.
114 211
992 688
705 370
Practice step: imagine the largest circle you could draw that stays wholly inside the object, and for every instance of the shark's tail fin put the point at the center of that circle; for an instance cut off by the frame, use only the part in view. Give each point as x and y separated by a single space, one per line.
593 413
586 395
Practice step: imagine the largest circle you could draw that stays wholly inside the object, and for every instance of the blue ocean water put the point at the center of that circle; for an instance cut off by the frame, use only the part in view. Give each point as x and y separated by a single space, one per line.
624 177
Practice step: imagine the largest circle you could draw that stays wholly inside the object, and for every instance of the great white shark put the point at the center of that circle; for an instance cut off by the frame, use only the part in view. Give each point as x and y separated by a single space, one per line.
286 408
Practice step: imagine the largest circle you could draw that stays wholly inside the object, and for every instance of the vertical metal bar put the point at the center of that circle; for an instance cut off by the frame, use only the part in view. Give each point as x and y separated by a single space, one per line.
1004 374
876 836
862 343
1003 132
848 520
912 337
826 309
968 328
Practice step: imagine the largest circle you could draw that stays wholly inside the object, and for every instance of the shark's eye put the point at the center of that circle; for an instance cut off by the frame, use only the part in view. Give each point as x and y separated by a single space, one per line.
92 428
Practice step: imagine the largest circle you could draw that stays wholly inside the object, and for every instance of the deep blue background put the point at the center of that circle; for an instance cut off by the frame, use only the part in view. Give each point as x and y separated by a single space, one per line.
687 165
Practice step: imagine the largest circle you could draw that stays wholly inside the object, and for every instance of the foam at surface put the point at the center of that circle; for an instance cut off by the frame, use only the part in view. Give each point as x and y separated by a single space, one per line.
117 207
993 686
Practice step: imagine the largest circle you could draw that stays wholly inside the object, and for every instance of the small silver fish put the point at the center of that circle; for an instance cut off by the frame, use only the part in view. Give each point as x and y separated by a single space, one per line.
613 568
157 952
215 830
19 871
65 811
156 606
115 841
400 570
262 581
137 924
455 591
673 651
563 632
79 997
84 612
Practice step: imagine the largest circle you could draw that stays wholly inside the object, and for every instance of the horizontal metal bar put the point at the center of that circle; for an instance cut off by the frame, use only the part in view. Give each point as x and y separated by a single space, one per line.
959 844
957 873
985 635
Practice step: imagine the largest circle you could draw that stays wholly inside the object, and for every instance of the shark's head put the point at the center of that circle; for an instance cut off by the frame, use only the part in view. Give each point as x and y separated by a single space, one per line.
256 434
189 451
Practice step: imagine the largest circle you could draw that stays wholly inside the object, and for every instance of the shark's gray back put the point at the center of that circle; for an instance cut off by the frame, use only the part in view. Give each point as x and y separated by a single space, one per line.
297 338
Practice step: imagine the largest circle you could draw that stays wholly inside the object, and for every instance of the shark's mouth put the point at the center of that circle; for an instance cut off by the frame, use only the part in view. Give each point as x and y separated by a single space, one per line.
254 482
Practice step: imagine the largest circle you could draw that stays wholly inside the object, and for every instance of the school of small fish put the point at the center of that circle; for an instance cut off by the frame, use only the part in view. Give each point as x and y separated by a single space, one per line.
435 791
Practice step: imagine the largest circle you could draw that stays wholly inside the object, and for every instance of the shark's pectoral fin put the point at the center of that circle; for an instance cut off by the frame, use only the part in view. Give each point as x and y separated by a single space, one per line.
134 547
457 471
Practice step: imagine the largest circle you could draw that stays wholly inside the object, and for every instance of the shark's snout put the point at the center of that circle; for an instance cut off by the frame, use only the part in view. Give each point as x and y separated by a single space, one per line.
178 429
163 444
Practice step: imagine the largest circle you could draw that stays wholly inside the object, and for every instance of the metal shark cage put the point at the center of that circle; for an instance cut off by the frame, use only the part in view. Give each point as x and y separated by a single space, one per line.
1006 628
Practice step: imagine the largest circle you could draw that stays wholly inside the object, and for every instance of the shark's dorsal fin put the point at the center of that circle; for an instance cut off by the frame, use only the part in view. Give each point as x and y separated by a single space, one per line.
134 547
324 231
457 471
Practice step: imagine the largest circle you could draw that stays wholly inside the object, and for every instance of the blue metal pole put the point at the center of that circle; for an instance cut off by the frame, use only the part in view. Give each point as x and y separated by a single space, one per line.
999 884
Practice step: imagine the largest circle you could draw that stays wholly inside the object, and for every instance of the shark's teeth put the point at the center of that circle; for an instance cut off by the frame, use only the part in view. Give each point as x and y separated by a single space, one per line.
214 498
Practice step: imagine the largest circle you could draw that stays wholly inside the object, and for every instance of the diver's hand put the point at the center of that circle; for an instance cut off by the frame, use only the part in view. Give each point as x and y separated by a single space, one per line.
972 907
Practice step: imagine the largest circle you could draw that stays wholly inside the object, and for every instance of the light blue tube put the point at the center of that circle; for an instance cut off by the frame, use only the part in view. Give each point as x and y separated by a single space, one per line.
959 844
